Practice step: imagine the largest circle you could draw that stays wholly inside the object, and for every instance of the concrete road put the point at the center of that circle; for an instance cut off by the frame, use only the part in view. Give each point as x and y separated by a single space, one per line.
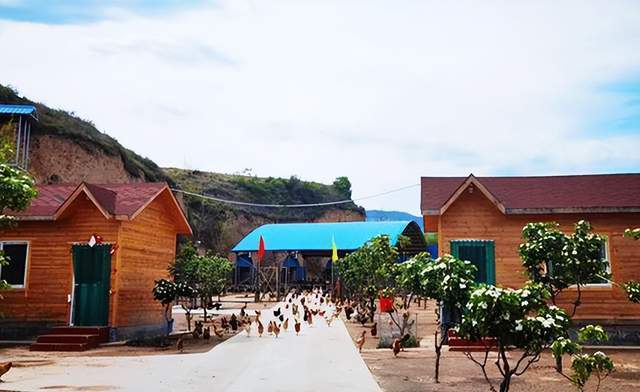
321 358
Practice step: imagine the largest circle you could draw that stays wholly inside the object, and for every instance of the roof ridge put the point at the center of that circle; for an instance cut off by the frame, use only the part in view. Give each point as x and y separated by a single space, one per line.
537 176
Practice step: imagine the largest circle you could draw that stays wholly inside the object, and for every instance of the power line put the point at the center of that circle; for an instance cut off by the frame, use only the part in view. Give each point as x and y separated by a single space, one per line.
330 203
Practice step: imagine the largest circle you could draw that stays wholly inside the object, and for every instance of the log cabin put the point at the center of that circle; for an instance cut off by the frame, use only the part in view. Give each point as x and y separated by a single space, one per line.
88 255
480 219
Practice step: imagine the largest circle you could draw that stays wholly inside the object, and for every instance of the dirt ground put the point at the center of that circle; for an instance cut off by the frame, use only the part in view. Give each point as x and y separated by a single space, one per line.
413 369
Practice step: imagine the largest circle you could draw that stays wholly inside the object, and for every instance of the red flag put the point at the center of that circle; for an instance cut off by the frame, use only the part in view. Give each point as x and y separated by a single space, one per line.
261 250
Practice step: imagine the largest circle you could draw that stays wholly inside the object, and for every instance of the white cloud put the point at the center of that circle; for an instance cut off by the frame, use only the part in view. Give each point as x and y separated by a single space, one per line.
380 91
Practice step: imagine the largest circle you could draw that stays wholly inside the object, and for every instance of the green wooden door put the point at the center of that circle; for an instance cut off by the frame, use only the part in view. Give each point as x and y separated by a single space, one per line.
479 252
92 274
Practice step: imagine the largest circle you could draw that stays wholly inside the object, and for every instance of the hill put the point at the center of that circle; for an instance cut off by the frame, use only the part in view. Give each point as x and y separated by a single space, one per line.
67 149
380 215
220 226
56 128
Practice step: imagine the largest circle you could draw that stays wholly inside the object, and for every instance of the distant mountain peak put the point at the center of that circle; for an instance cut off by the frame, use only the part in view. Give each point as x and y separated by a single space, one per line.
382 215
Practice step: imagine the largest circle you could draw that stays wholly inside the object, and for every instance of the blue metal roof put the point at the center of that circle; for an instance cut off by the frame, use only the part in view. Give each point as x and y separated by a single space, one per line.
349 236
17 109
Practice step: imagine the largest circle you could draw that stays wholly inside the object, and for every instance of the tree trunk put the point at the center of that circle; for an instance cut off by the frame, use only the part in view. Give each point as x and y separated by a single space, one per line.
204 306
559 364
506 382
438 351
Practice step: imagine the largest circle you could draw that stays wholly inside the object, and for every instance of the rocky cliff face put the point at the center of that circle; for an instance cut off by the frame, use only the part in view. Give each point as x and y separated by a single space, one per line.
58 159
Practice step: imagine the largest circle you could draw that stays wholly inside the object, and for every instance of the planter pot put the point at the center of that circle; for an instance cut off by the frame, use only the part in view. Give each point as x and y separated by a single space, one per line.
386 304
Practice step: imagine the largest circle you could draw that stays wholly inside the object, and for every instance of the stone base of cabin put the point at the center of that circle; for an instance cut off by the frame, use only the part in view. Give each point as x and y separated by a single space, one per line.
30 330
137 332
621 333
24 330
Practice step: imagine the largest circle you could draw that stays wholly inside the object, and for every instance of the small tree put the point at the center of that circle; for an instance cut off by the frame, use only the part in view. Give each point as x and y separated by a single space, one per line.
211 275
632 288
557 260
17 188
448 281
410 279
369 270
584 365
207 275
512 318
167 292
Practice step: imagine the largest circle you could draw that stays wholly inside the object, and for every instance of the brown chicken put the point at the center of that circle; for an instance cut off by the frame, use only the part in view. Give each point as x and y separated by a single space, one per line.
360 341
242 312
219 332
270 328
309 318
180 344
396 347
206 333
276 329
4 368
260 328
374 329
258 313
296 326
285 325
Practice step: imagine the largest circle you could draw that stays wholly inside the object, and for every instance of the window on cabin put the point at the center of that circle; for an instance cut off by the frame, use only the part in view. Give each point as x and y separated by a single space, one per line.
15 271
604 254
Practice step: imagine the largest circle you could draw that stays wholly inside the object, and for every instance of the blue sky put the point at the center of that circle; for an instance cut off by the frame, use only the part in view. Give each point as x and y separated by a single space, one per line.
87 11
381 92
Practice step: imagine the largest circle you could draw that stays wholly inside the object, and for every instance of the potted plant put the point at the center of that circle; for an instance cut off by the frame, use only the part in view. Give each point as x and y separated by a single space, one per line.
387 296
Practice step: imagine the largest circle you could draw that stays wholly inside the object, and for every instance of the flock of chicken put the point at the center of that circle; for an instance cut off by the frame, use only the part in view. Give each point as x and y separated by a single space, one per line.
297 308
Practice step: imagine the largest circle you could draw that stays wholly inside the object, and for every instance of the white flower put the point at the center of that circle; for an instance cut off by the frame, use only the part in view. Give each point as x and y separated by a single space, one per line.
462 285
525 293
518 327
525 303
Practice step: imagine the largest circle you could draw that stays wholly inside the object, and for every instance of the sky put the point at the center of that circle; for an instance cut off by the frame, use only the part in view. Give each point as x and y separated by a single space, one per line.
380 91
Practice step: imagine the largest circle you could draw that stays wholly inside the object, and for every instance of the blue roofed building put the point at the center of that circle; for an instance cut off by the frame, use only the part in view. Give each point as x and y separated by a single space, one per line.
292 246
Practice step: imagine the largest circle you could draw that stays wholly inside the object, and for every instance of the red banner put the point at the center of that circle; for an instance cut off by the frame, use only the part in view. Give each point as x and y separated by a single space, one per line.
261 250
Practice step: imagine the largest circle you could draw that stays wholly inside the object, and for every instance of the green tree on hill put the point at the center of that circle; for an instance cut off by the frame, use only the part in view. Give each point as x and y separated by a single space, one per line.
17 187
343 185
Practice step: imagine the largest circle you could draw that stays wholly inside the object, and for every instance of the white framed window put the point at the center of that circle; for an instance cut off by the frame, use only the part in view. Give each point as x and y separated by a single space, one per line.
606 255
16 254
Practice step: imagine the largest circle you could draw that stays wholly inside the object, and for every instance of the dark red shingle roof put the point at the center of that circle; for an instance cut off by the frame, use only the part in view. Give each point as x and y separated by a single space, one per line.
597 191
116 199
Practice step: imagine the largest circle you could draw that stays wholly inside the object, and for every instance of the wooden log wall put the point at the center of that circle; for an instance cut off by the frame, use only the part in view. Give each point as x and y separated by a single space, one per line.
473 216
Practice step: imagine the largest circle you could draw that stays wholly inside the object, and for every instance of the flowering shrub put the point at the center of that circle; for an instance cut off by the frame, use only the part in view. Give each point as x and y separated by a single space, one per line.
633 291
512 318
633 233
447 280
164 291
517 318
584 365
410 278
558 261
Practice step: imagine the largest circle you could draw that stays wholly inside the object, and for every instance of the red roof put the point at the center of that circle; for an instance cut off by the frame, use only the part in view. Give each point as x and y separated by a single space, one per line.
118 200
551 194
